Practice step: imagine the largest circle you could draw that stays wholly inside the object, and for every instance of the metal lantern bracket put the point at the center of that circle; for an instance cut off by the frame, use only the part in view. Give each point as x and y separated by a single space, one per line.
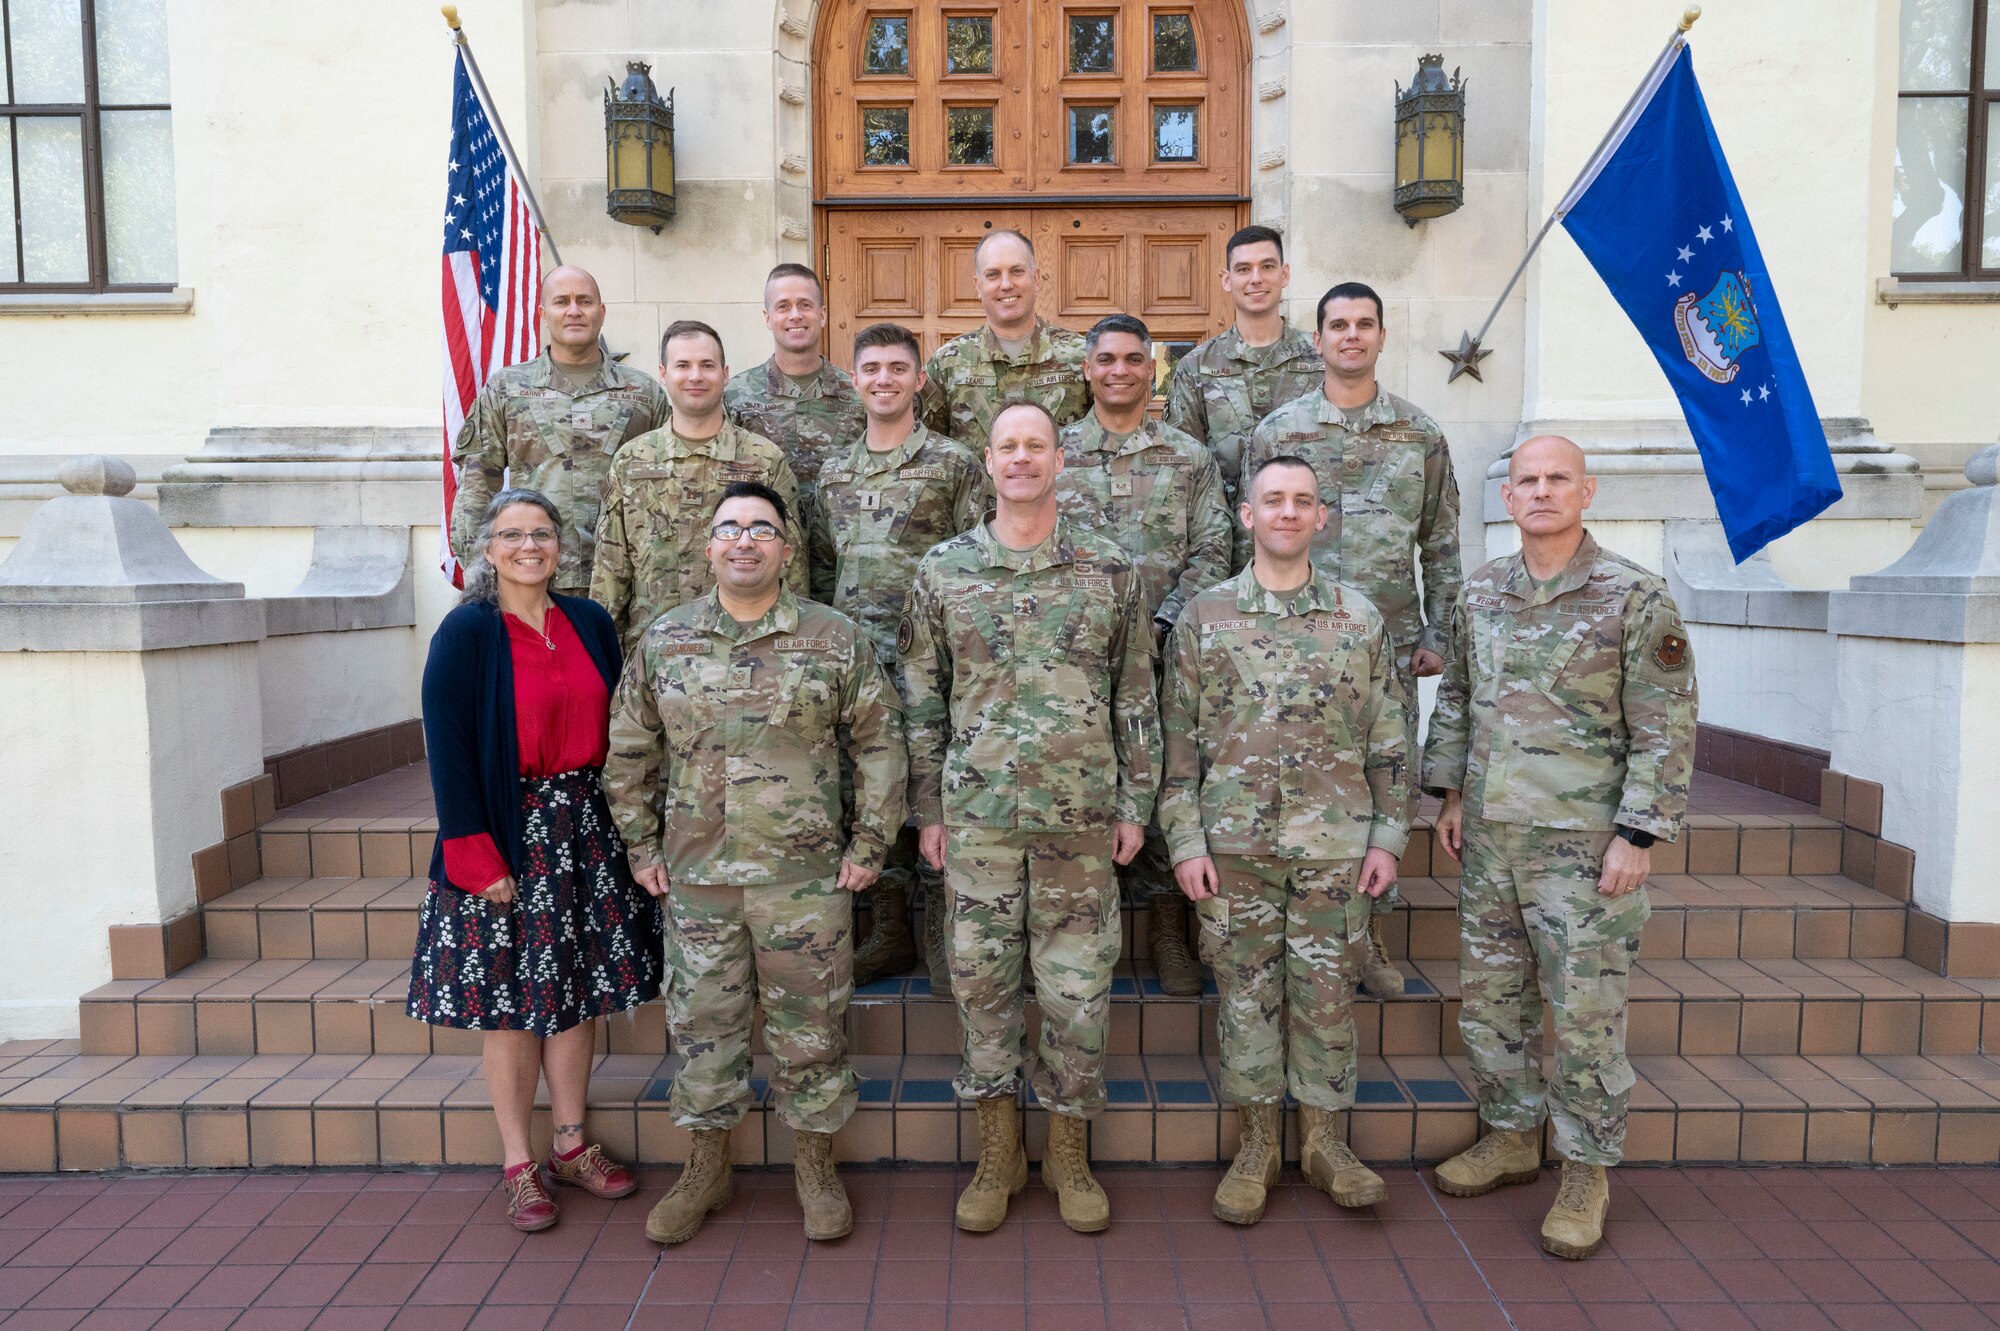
639 190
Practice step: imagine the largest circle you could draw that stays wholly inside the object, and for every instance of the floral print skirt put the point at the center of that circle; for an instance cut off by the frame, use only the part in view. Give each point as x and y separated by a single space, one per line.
580 939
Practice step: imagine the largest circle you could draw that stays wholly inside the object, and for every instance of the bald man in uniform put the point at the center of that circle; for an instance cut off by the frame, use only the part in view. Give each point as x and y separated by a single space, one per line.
552 424
1562 746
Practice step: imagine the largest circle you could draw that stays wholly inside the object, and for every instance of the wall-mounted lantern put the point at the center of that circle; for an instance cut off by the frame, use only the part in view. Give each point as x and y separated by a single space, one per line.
1430 142
639 150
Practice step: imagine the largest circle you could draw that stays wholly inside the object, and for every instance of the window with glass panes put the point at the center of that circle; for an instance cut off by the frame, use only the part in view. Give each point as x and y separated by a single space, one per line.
86 146
1946 208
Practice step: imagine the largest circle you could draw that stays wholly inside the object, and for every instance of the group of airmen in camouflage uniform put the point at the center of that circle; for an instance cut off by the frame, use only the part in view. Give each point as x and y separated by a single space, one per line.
980 629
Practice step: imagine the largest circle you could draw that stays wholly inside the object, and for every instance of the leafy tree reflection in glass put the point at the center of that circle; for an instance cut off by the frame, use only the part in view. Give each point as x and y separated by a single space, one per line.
1173 44
1176 137
1092 135
968 135
1092 44
887 49
968 45
885 136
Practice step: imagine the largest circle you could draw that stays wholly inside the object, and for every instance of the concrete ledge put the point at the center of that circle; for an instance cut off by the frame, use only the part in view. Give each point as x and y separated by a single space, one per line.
1947 587
308 477
1711 588
1892 291
178 301
359 579
143 627
1649 471
1918 616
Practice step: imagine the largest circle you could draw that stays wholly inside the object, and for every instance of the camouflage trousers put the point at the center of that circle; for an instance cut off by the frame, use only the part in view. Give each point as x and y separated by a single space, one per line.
789 946
1286 940
1045 901
1534 935
1151 872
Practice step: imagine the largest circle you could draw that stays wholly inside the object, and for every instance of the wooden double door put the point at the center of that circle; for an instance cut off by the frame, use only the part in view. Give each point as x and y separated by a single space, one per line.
1112 133
913 266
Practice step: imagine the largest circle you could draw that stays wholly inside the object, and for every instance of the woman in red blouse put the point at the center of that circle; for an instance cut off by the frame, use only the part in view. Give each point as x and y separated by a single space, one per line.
532 928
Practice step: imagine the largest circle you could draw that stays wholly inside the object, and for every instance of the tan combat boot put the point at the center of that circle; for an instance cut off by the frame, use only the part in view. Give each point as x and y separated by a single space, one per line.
704 1186
1003 1167
1494 1161
1574 1228
1066 1173
1239 1198
828 1216
937 938
1331 1166
1180 974
888 949
1379 975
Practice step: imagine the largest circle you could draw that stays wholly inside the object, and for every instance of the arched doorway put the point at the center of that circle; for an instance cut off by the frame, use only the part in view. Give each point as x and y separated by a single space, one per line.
1112 132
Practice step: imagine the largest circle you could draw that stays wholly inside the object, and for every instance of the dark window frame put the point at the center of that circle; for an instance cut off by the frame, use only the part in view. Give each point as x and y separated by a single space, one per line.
90 111
1978 99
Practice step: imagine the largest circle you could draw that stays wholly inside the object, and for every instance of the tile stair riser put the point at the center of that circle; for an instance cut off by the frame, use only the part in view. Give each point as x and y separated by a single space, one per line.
890 1025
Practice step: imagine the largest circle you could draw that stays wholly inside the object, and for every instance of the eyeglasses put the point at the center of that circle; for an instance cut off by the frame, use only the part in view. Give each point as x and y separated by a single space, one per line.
734 531
514 540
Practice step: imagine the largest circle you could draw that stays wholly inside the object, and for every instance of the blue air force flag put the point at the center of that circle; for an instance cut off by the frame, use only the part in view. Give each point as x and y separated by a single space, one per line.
1661 221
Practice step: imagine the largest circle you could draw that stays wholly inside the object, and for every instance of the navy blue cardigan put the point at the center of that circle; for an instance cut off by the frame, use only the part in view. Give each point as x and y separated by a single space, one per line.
469 721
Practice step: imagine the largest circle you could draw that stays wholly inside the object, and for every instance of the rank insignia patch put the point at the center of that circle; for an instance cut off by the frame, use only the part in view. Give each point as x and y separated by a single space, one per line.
1672 653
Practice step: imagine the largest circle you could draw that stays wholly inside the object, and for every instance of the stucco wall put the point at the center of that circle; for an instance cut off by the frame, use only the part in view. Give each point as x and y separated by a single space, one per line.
308 169
115 763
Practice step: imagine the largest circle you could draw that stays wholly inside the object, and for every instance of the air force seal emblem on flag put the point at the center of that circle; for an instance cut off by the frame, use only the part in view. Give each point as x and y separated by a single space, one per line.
1717 328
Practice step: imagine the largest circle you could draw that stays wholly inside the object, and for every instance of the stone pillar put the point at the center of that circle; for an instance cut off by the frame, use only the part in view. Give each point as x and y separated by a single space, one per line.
129 697
1918 652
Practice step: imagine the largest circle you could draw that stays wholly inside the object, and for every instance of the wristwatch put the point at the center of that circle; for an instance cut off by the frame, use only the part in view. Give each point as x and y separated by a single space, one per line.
1643 840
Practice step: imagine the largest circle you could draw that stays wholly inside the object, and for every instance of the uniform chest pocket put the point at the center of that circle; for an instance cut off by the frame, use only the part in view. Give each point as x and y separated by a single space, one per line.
805 698
980 624
1074 625
693 696
1394 477
1491 633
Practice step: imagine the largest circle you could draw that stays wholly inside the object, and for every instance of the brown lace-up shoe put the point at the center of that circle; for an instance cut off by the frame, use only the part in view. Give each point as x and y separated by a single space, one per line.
595 1172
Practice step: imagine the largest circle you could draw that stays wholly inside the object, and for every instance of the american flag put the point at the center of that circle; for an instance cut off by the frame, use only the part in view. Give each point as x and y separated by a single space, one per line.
492 272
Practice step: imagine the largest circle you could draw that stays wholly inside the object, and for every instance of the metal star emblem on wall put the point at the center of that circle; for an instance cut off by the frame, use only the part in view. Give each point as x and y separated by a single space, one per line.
1466 359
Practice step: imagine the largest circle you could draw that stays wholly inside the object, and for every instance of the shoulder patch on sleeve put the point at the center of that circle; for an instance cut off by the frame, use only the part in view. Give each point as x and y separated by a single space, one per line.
1670 652
906 636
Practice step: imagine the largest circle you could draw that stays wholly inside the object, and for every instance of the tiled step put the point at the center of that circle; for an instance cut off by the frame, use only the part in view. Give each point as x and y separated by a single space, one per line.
1756 845
1697 917
1876 1006
59 1109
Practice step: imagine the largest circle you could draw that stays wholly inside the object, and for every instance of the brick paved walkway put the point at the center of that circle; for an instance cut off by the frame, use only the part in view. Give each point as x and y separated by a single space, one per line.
1690 1249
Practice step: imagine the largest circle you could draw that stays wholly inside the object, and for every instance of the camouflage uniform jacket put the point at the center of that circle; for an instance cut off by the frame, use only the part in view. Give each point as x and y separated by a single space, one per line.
879 514
726 739
659 504
1224 388
1283 720
1392 489
1157 495
525 426
969 380
813 423
1570 705
1029 680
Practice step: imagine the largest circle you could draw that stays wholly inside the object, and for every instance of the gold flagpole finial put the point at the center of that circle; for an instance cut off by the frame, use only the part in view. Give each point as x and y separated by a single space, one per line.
450 13
1689 15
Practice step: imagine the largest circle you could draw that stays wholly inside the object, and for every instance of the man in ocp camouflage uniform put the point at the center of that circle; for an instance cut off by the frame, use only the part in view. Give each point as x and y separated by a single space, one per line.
798 399
1157 495
553 424
1028 667
653 536
1562 745
1285 798
1224 387
1386 475
727 735
1015 356
897 491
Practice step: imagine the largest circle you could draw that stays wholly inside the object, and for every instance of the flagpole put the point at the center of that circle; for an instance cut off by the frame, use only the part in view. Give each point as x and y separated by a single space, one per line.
1465 360
479 90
